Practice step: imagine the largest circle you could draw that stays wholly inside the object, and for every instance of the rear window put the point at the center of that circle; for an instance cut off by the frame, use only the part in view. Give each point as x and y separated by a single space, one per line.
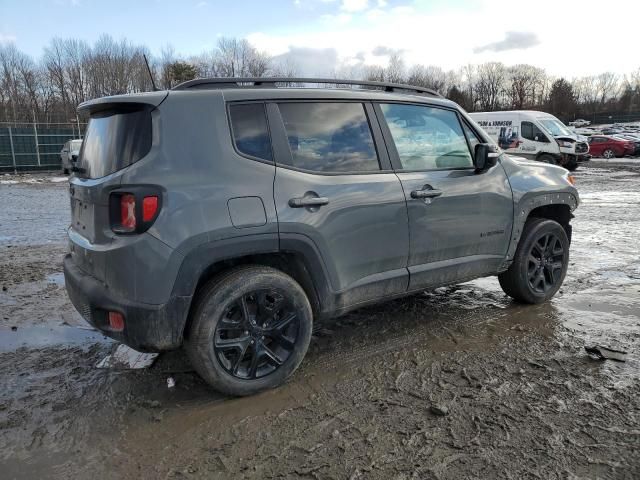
250 133
114 140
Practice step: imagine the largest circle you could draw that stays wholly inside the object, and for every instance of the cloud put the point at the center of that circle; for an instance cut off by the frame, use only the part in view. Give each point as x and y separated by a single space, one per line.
423 34
7 38
354 5
309 62
512 41
381 51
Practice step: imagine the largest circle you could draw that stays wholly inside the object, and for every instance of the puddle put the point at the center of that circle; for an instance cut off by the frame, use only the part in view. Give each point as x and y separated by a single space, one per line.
56 278
47 336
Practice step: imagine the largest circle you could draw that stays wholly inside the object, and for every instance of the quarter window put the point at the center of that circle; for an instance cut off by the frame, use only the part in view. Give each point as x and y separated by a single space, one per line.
329 137
250 133
427 138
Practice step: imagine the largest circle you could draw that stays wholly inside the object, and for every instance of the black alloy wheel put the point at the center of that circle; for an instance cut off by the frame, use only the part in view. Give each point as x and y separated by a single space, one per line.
546 261
256 334
540 263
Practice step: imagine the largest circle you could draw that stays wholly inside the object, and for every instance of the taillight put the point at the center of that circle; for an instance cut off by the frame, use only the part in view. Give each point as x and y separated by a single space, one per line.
128 212
116 321
135 210
149 208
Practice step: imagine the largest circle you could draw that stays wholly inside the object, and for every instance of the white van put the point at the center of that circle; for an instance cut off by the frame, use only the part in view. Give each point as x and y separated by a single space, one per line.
534 135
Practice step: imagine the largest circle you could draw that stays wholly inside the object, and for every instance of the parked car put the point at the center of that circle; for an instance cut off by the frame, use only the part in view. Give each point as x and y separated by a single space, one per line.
293 205
609 147
635 139
69 154
611 130
535 135
580 123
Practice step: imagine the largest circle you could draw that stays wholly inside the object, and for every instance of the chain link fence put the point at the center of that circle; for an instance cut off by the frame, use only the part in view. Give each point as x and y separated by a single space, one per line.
35 146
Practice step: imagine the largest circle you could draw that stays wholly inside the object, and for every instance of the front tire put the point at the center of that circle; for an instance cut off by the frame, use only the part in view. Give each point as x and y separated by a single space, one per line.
540 263
250 330
572 166
608 154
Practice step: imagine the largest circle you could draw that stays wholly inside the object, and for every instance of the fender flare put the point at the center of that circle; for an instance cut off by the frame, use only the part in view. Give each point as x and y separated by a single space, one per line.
525 206
203 255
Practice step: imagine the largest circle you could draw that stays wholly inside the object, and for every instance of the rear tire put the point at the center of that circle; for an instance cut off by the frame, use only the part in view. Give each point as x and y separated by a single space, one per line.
250 330
608 153
540 263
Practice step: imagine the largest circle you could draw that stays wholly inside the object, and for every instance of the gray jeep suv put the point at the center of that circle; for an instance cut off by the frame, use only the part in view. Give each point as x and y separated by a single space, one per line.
225 215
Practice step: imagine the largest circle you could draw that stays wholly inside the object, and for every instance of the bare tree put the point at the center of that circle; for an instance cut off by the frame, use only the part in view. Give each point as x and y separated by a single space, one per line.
375 73
490 85
71 71
431 77
525 84
608 86
395 71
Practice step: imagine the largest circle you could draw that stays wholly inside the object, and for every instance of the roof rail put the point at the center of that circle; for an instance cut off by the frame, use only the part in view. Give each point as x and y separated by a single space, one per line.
271 82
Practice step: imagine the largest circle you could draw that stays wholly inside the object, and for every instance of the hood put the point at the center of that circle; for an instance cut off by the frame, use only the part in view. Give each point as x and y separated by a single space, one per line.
571 138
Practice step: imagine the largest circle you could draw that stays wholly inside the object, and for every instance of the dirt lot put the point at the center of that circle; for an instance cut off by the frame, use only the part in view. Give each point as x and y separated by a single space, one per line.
455 383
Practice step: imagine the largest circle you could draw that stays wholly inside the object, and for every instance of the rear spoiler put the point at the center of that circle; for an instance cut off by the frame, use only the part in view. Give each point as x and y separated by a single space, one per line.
149 99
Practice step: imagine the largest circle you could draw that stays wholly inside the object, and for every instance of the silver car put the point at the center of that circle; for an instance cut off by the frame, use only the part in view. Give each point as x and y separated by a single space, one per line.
69 154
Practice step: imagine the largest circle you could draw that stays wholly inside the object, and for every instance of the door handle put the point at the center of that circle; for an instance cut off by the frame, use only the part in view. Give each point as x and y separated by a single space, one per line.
426 193
301 202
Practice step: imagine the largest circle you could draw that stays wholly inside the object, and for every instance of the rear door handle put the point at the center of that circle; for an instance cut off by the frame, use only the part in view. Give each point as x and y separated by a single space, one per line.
301 202
426 193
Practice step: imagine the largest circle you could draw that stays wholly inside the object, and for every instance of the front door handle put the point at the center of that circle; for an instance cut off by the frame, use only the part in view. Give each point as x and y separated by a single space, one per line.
426 193
301 202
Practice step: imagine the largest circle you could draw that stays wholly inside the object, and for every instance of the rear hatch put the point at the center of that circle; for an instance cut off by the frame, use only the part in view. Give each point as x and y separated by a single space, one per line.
119 134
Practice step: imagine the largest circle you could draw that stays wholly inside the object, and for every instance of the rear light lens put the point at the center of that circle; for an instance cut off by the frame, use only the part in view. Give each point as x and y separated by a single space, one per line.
149 208
116 321
134 211
128 212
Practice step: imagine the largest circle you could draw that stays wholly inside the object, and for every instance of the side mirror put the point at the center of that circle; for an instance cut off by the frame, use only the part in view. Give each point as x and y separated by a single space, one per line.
536 138
485 156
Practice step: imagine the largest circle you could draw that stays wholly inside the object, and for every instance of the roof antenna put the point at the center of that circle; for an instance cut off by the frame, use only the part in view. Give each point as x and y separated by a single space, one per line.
153 83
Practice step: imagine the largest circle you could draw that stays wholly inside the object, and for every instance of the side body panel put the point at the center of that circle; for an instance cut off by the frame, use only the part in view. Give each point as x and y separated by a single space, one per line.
464 232
361 234
461 233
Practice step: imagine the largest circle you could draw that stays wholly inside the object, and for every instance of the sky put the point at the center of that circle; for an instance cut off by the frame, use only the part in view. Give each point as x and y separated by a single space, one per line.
567 38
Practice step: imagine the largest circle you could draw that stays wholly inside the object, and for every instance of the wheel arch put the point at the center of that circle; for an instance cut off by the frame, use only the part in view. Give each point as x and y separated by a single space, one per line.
556 206
296 258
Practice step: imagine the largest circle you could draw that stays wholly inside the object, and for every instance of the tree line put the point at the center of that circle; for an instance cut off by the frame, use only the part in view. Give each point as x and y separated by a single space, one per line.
71 71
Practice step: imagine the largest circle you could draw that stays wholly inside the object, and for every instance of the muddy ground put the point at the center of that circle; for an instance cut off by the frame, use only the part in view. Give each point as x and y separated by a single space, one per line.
455 383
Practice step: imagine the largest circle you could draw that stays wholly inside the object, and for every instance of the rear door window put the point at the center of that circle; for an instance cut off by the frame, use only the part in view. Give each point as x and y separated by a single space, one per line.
329 137
250 132
114 140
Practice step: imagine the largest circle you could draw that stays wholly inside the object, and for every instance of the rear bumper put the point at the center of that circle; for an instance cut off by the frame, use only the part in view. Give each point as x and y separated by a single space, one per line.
150 328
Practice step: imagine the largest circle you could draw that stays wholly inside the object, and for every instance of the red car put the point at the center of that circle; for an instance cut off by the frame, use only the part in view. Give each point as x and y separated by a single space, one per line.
609 147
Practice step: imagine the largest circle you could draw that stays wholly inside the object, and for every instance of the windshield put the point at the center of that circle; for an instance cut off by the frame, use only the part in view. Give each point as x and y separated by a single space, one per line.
554 126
